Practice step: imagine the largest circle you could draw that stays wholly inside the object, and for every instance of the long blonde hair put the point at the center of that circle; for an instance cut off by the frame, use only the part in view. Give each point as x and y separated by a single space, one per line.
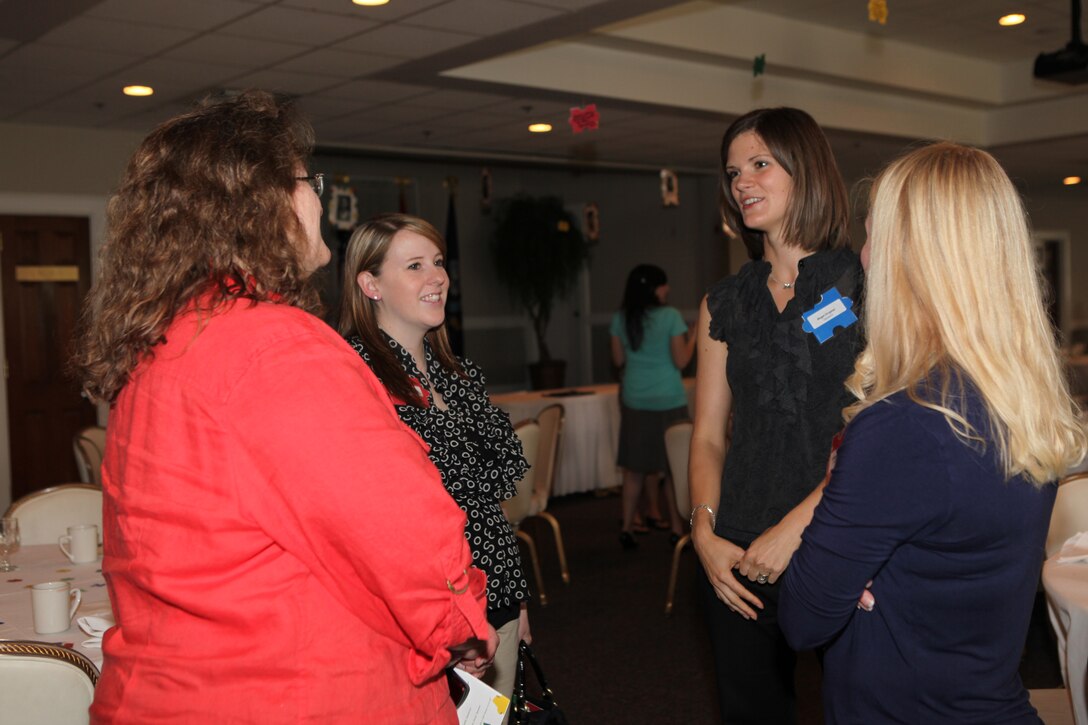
953 289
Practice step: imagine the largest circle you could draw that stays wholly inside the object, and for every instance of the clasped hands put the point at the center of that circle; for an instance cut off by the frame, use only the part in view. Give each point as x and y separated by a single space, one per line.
474 656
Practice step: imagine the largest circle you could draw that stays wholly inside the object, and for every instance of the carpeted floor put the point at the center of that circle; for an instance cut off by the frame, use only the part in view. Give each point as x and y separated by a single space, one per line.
612 656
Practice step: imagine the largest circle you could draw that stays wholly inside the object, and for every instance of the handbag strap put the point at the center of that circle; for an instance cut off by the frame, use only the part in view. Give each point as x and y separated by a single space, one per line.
525 653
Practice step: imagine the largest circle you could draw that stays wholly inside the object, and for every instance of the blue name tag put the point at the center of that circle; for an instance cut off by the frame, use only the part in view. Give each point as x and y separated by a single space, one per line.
830 313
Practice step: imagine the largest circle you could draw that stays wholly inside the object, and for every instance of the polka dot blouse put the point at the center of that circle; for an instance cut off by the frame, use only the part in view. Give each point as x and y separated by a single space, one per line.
479 456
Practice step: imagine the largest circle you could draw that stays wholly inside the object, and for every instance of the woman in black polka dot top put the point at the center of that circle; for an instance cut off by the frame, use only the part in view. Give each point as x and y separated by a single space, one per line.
393 313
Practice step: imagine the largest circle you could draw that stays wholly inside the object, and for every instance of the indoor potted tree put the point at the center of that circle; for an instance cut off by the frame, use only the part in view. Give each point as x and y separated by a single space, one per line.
538 253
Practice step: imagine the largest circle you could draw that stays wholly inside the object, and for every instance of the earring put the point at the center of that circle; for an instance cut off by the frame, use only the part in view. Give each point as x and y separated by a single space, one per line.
376 298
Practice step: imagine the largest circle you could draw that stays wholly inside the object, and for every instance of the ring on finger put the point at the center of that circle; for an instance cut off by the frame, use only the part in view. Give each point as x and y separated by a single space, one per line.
762 579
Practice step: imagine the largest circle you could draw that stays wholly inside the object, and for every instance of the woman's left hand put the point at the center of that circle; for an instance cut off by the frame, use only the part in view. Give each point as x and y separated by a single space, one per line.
770 553
524 635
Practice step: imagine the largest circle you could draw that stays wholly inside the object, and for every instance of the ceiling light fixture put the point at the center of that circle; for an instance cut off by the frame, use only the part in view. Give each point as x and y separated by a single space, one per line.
137 90
1071 180
540 127
1011 19
370 3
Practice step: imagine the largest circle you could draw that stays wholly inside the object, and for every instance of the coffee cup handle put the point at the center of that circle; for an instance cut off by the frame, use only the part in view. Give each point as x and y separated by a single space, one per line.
64 542
75 604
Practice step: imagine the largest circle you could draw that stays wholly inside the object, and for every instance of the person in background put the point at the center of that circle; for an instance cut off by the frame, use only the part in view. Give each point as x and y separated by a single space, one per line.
942 490
776 342
263 562
393 314
650 343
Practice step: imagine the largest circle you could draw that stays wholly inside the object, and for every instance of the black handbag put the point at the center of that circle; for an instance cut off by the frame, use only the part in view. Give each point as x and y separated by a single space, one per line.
530 709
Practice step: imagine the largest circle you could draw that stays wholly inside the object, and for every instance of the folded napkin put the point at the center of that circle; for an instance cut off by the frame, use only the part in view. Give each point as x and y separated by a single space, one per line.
96 626
1075 550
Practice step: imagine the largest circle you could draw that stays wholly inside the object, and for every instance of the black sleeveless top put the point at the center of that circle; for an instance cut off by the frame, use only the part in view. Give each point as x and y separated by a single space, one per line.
787 387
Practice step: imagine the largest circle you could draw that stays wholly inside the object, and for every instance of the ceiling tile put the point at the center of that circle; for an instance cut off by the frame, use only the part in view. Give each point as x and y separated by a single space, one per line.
404 41
374 91
234 52
188 15
278 81
97 34
338 63
482 17
290 25
381 13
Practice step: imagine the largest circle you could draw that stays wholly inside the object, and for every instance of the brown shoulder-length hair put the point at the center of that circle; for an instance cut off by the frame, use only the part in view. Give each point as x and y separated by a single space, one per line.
366 252
204 208
818 214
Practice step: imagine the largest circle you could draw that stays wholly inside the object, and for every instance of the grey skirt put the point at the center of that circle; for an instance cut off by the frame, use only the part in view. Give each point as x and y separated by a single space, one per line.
642 438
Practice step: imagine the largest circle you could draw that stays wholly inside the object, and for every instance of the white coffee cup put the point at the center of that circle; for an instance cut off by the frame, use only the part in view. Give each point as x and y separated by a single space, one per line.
81 543
55 603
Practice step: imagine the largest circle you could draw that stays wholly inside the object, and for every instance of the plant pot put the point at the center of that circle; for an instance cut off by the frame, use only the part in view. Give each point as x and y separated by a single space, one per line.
547 374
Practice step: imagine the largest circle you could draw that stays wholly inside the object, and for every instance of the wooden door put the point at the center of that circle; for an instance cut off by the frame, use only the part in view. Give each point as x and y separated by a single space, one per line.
46 268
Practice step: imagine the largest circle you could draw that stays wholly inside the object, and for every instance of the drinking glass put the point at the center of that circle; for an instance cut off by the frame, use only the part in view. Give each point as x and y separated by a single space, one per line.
9 542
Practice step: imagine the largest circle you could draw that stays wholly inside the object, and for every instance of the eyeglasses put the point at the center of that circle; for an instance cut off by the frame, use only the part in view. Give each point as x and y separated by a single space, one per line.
316 182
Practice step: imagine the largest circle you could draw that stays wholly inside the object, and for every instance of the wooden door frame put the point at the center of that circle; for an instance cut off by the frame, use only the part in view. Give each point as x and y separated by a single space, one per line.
94 209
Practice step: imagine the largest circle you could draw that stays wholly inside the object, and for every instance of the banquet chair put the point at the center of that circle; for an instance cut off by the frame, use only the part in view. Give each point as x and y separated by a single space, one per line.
89 445
44 684
44 516
677 444
518 507
550 419
1070 511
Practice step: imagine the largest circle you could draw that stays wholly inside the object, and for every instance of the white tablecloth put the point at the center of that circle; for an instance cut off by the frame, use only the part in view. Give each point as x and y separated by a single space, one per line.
1067 596
591 432
45 563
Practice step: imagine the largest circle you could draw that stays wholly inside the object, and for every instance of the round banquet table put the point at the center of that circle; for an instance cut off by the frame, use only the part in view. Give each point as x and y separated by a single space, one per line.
45 563
591 431
1067 599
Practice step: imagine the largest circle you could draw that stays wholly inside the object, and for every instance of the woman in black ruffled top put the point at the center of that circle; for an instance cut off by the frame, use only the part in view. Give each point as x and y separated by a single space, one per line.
393 313
776 343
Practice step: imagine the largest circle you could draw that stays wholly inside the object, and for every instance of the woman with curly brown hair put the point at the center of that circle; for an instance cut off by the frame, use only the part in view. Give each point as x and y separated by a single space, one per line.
245 585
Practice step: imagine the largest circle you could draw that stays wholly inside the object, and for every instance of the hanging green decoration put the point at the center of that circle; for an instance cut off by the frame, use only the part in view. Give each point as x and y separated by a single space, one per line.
759 64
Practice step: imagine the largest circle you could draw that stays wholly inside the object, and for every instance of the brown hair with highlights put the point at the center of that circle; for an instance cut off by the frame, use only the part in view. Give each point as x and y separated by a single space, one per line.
818 215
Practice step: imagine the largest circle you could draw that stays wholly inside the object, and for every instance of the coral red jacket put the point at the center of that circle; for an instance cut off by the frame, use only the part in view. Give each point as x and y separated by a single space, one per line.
278 547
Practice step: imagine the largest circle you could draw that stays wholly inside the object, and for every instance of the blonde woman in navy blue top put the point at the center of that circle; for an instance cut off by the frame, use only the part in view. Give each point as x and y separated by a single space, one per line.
943 487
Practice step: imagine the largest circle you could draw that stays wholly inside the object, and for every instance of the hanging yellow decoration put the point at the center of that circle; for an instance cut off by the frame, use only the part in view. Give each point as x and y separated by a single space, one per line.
878 11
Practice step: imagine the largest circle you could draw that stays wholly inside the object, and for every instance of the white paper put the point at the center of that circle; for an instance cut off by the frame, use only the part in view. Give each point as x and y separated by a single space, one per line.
482 704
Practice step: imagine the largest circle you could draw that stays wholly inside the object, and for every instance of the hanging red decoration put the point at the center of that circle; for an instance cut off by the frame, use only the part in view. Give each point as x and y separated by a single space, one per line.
584 119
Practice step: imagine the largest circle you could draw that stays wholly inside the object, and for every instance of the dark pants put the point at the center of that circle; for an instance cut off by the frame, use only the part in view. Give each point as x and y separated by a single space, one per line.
755 666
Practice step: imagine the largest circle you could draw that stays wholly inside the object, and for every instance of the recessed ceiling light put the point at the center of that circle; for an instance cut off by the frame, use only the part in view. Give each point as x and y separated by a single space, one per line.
1071 180
1011 19
137 90
370 3
540 127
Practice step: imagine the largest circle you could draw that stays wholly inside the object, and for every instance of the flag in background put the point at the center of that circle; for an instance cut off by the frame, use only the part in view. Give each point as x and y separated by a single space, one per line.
454 321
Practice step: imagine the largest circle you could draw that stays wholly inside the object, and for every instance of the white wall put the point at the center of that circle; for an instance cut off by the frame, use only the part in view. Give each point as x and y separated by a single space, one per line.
60 171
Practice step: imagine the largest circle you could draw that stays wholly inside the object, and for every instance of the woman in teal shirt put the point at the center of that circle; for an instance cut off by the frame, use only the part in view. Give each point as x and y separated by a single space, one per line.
650 343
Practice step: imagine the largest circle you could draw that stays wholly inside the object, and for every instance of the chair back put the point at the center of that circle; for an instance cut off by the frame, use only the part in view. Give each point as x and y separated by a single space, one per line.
677 447
89 446
45 684
1070 511
44 516
551 436
521 505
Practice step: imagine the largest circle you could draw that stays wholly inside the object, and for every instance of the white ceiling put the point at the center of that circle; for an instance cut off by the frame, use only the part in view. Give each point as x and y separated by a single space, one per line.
464 77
